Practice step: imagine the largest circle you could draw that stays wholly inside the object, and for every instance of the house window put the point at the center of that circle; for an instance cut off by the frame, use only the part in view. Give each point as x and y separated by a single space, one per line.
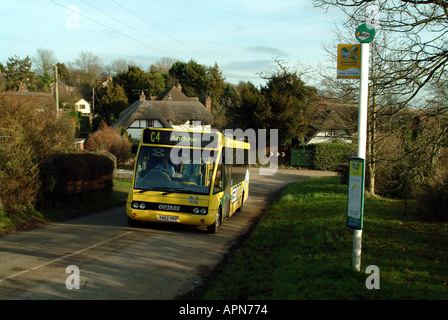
135 124
330 133
82 106
142 123
194 123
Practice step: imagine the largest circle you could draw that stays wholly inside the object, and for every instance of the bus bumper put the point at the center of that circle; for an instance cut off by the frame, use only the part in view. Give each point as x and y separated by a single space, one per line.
171 217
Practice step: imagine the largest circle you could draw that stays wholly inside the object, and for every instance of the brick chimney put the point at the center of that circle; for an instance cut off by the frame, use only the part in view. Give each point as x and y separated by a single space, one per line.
142 97
208 104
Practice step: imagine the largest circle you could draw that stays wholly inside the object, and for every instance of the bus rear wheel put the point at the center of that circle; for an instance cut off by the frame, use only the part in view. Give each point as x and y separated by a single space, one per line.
215 226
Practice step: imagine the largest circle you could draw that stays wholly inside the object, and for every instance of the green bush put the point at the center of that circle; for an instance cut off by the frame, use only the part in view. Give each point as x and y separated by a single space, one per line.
331 156
432 198
30 131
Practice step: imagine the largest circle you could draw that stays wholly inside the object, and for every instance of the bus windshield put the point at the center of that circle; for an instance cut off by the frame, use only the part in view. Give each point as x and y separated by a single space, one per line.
155 171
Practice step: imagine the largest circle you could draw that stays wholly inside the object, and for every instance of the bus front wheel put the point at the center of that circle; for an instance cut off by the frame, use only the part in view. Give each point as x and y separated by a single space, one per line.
214 227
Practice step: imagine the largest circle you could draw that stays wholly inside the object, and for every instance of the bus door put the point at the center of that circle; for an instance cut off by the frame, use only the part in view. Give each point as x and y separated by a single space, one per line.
227 191
223 184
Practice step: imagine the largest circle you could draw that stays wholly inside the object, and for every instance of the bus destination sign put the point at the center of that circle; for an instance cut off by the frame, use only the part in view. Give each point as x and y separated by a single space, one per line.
180 138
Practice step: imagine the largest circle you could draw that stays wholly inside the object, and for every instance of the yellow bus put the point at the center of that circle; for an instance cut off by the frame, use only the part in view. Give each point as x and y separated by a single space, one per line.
197 178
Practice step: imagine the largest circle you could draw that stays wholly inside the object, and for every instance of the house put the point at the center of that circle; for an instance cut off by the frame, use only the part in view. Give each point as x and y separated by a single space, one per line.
171 109
333 122
106 83
80 143
83 106
39 98
64 87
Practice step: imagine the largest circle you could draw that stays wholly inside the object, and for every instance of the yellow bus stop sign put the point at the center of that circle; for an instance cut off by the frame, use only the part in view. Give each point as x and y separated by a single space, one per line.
355 203
349 61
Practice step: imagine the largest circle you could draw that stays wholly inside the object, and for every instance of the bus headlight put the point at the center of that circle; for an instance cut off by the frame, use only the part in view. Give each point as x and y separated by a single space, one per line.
202 211
139 205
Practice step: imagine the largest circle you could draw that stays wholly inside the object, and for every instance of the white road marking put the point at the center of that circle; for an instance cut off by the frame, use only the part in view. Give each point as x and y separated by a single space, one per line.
64 257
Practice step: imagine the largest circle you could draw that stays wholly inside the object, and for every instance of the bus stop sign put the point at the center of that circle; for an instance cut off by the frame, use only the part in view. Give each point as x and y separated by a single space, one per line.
355 206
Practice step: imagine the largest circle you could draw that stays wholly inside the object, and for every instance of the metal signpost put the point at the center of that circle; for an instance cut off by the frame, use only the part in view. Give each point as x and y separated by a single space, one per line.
365 33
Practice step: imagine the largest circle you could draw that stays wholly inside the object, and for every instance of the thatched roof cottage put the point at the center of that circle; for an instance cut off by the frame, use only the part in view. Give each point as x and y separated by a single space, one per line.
171 109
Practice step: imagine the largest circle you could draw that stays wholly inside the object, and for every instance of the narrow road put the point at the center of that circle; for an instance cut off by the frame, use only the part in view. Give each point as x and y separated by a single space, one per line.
116 262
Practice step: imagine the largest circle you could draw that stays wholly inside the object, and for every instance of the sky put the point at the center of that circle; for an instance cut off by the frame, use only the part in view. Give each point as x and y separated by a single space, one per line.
241 36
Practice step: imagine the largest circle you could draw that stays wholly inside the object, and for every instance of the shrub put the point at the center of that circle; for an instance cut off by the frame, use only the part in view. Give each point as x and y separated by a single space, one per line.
329 156
30 131
68 176
111 140
432 198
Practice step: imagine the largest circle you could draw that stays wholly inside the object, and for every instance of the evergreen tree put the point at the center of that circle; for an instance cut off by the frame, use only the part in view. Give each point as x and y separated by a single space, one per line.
290 102
113 100
64 74
215 89
18 74
193 78
135 81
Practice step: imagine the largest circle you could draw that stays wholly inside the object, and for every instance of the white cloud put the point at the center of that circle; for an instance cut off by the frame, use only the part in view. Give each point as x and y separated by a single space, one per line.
267 50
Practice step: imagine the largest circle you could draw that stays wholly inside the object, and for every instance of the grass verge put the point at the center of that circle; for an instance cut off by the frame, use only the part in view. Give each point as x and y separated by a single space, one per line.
301 250
31 217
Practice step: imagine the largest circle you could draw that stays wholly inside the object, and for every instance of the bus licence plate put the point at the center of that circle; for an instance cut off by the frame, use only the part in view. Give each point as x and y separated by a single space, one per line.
168 218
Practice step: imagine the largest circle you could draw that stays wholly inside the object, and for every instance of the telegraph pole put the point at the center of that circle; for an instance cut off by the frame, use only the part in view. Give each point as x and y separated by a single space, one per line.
93 103
56 87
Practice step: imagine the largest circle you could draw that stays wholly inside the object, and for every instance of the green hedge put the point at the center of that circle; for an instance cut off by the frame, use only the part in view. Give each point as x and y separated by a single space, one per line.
330 156
68 176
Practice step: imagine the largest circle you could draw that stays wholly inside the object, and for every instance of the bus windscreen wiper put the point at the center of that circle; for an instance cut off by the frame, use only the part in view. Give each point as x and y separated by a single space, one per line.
144 190
167 190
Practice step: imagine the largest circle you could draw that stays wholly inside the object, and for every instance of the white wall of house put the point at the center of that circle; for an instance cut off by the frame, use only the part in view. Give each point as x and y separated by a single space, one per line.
136 128
192 125
328 136
83 106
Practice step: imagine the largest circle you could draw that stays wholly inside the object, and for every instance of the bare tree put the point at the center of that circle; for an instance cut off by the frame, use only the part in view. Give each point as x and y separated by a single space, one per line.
163 65
384 107
117 66
86 71
44 61
420 29
413 57
87 68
